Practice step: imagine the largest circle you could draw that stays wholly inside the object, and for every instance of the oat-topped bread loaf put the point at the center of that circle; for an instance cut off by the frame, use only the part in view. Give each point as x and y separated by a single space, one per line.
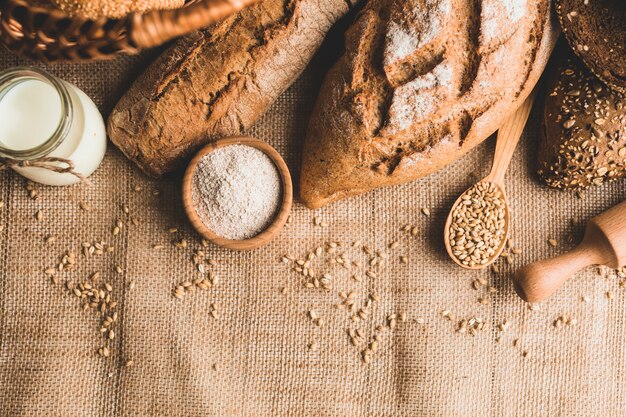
421 82
584 129
596 31
218 82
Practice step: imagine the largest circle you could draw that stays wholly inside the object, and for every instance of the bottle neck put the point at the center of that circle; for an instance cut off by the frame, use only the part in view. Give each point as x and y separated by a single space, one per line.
45 144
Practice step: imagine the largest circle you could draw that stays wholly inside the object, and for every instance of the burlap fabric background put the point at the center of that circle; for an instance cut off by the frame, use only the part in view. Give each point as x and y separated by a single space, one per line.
254 360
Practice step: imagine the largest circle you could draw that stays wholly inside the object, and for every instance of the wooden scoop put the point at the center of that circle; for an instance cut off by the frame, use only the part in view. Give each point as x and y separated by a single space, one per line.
508 136
604 244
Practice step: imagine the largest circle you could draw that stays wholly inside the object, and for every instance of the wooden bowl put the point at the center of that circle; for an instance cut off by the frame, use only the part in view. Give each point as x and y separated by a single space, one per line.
281 217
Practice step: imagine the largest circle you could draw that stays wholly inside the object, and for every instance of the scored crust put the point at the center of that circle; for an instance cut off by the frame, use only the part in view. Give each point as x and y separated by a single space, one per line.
218 82
420 83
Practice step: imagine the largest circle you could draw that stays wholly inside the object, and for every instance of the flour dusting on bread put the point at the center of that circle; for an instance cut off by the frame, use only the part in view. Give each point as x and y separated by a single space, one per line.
417 99
424 21
500 17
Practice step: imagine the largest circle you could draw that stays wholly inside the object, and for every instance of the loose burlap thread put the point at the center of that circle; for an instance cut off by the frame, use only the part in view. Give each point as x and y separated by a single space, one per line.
254 358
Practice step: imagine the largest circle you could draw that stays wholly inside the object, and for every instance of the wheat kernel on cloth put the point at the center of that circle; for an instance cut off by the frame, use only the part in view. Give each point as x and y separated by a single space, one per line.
236 191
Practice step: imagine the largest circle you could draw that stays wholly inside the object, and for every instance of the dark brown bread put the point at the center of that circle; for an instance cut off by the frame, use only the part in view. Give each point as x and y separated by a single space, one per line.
596 31
218 82
421 83
584 129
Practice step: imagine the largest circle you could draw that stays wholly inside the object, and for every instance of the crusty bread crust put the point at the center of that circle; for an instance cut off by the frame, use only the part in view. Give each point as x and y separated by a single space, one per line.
385 117
218 82
596 32
115 9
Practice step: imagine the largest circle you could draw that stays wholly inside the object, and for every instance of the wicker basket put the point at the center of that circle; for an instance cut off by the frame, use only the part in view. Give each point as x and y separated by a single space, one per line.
49 35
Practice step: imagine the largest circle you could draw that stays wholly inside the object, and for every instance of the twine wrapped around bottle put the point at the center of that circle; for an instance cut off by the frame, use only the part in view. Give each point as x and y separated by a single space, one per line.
45 162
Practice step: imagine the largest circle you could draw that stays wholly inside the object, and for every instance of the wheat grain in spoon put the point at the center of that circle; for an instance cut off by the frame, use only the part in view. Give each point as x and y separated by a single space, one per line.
477 227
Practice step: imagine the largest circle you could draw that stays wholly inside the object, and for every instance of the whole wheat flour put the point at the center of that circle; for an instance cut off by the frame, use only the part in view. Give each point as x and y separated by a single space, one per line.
236 191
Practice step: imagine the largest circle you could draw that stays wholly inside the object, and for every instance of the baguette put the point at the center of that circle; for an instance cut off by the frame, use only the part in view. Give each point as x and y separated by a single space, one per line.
218 82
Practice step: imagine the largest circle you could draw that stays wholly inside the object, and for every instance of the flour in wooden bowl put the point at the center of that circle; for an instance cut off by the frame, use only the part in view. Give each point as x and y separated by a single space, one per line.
236 191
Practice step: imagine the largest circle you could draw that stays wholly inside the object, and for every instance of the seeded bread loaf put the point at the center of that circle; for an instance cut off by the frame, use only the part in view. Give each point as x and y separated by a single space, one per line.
218 82
584 129
420 83
596 31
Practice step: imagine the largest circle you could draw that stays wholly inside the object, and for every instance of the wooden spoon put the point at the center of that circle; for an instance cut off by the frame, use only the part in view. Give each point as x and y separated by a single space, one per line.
281 217
508 136
604 244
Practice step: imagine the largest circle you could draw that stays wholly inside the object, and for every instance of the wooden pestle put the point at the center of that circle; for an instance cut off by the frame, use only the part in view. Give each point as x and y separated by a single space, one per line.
604 244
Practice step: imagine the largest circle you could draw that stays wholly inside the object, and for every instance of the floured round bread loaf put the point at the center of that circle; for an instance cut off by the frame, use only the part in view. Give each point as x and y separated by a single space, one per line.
420 83
584 129
596 31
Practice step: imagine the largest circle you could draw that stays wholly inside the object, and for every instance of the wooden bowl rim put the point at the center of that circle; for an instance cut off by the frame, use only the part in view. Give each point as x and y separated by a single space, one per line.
446 239
281 217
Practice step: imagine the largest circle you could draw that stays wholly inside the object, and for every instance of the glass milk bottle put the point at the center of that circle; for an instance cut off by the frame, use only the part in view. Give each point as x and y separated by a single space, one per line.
43 118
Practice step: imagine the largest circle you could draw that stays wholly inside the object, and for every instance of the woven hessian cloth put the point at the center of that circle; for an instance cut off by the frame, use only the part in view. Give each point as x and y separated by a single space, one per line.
254 358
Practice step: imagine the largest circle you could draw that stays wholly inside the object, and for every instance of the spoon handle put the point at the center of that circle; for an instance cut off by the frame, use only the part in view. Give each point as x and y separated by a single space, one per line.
508 137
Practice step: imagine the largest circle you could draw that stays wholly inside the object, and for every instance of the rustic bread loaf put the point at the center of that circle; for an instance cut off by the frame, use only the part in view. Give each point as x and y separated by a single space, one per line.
421 82
584 129
94 9
596 31
218 82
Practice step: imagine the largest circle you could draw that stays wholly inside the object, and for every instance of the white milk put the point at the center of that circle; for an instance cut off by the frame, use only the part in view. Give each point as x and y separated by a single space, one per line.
30 113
